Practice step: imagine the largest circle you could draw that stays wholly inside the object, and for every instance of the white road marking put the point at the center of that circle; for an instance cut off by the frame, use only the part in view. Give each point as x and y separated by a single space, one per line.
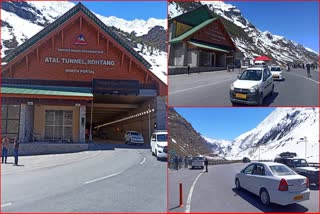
47 166
144 160
201 86
5 205
99 179
307 78
188 204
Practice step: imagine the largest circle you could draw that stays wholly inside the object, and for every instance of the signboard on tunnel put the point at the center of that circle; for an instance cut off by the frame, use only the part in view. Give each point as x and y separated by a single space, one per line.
123 87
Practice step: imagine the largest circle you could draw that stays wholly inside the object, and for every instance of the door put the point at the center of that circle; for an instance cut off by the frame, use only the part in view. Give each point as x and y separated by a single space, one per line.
246 177
258 179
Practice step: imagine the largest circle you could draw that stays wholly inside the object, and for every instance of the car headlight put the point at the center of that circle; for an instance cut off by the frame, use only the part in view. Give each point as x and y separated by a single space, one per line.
232 87
253 89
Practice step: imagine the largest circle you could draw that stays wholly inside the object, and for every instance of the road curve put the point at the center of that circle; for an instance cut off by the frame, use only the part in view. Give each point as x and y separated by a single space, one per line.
115 180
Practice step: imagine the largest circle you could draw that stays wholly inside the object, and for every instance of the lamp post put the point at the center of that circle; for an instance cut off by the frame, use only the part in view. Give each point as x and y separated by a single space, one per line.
305 144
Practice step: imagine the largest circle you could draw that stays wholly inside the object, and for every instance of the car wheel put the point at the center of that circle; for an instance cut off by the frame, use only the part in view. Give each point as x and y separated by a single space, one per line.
264 197
238 187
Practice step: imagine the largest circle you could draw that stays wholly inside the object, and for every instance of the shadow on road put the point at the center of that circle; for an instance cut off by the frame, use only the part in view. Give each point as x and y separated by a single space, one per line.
270 98
174 207
255 201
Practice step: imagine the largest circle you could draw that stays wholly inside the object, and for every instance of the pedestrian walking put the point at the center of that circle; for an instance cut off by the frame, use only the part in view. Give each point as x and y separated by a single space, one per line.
186 162
308 70
5 148
206 163
16 150
176 163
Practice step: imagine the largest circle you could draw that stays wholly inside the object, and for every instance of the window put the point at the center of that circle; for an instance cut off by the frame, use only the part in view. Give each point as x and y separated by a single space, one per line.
58 125
249 169
281 170
10 120
258 170
161 137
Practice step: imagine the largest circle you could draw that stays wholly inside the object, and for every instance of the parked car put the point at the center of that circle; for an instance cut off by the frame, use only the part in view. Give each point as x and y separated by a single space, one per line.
252 86
246 160
197 162
276 72
299 165
159 143
133 137
273 183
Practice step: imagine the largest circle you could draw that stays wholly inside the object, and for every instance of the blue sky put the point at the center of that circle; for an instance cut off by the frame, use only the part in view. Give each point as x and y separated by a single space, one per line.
224 123
129 10
297 21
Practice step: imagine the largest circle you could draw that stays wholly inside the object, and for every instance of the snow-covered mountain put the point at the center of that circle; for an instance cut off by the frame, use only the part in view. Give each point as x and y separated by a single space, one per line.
249 39
283 130
220 147
22 20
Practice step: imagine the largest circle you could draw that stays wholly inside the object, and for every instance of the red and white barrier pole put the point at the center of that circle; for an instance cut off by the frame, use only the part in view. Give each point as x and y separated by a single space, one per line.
181 196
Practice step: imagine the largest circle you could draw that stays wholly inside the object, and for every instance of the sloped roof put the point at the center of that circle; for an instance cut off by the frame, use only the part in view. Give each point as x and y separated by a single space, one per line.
194 17
192 31
63 19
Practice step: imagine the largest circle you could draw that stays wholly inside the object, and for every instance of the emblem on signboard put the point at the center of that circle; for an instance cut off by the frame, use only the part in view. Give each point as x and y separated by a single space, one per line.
80 40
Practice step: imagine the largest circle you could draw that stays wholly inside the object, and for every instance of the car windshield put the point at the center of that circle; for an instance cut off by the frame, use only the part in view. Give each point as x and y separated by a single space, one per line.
162 137
254 75
134 133
275 69
198 158
281 170
300 162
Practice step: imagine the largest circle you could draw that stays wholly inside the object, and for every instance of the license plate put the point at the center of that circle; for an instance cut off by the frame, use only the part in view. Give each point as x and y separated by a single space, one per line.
298 197
242 96
275 76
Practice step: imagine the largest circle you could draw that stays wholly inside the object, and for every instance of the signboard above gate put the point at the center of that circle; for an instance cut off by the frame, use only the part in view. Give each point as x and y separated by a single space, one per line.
121 87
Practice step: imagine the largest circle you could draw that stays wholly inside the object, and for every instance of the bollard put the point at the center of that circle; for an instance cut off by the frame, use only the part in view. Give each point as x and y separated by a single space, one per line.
181 198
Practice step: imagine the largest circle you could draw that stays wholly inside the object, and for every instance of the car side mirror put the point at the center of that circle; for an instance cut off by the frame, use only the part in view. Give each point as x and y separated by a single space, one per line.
238 76
242 171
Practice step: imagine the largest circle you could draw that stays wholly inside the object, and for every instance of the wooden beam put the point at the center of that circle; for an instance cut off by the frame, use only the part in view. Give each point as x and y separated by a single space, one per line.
52 39
98 38
147 78
130 65
80 24
38 57
10 70
108 44
27 62
62 37
122 59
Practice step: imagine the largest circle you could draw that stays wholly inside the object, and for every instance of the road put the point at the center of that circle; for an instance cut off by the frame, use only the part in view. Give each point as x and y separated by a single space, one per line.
215 192
113 179
212 89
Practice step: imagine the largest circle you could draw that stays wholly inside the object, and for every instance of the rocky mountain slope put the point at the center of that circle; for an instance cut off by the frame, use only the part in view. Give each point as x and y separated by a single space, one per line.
184 140
283 130
247 37
22 20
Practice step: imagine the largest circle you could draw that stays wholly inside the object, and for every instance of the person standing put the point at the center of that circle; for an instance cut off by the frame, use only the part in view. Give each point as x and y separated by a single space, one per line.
5 148
206 163
308 70
16 150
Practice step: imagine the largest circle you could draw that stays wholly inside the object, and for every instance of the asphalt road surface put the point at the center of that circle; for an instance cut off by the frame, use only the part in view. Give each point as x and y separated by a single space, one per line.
215 192
212 89
116 179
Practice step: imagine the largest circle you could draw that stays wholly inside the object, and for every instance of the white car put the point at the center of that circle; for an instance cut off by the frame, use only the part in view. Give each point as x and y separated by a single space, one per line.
133 137
273 183
197 162
159 144
252 86
276 72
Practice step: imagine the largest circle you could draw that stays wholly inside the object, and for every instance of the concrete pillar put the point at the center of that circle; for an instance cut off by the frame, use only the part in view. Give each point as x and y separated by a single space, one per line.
29 122
185 54
82 130
22 125
161 113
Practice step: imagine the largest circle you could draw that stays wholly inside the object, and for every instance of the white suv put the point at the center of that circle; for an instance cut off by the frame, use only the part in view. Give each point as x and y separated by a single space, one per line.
133 137
159 143
252 86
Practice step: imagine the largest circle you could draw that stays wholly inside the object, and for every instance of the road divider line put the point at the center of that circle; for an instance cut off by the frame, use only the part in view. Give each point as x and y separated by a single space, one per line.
99 179
188 204
5 205
201 86
48 166
144 160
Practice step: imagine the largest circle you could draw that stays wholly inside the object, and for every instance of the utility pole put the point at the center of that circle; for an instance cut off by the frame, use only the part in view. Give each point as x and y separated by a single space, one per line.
149 111
305 150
